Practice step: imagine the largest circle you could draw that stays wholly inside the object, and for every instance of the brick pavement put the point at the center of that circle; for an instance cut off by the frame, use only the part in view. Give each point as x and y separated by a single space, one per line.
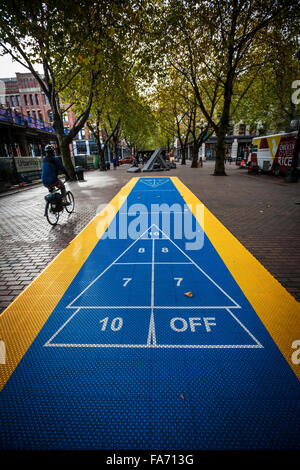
262 211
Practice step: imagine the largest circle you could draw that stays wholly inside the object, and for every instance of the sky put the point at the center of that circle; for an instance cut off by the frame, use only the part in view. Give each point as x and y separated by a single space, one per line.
8 68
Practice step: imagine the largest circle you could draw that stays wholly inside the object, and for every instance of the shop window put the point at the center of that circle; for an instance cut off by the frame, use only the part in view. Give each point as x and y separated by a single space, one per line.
242 129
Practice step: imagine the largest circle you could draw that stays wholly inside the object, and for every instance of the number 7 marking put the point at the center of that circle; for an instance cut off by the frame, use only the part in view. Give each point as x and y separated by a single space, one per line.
178 279
126 279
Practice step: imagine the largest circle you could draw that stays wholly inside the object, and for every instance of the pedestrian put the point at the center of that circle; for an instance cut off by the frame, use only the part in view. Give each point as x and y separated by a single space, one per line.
114 162
51 167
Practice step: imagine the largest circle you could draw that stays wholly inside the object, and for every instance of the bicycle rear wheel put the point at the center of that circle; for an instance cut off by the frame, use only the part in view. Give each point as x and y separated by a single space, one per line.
71 200
51 215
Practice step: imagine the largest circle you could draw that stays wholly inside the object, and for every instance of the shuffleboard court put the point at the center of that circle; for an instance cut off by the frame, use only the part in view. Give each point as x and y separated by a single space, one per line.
154 329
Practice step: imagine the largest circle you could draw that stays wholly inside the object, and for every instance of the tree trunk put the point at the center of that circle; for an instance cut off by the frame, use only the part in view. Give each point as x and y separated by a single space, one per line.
102 165
220 152
114 147
183 156
101 153
65 154
221 133
196 147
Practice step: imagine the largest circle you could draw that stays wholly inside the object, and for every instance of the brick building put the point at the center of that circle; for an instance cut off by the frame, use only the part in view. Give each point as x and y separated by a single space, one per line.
24 95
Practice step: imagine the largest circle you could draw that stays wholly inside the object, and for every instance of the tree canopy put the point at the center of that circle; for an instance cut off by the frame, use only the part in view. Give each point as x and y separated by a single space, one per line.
150 72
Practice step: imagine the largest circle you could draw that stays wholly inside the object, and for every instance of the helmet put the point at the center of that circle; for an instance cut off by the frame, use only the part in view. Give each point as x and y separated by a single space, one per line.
49 150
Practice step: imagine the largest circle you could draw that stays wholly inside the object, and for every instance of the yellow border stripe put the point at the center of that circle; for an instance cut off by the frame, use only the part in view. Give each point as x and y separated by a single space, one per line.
277 309
21 322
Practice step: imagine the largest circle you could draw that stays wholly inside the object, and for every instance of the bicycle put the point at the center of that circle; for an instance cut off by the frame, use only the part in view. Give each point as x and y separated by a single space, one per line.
55 205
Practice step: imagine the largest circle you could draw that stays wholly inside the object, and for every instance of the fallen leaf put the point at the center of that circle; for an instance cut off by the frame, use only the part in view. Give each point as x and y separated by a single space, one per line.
189 294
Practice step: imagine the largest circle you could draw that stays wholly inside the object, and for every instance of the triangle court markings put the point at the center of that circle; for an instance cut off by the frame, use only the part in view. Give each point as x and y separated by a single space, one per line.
151 237
154 182
144 250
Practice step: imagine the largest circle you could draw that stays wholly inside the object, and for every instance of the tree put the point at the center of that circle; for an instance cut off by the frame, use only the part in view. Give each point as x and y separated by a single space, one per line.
67 38
213 45
269 101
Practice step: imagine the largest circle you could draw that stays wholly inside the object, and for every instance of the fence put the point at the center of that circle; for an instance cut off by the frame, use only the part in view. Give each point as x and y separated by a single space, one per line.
16 170
13 117
88 162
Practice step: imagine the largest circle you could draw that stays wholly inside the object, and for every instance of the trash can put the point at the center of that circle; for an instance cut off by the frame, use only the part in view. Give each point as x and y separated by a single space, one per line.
291 175
79 173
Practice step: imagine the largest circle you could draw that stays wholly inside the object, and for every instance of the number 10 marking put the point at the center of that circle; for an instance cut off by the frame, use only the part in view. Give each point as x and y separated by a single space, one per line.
115 325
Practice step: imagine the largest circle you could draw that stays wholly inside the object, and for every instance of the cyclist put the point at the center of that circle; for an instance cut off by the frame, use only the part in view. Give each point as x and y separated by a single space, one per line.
51 167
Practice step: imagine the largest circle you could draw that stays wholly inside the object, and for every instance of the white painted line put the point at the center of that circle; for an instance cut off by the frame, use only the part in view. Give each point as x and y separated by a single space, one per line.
156 262
152 212
198 267
96 279
151 333
152 275
259 345
167 346
59 330
156 307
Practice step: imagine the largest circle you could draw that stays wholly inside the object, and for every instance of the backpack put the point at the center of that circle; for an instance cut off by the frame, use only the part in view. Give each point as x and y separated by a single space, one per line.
55 200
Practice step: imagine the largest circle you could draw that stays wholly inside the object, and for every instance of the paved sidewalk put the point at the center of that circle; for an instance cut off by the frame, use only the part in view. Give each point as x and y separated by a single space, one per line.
262 211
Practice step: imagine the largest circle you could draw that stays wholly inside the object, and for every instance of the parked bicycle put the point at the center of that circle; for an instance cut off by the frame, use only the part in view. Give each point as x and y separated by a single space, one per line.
55 205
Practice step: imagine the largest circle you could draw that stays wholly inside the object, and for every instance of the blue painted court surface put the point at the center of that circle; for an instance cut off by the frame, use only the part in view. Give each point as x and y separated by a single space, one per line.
128 361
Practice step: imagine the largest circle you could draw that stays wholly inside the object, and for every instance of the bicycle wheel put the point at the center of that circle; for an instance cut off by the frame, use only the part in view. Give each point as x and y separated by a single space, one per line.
71 200
52 216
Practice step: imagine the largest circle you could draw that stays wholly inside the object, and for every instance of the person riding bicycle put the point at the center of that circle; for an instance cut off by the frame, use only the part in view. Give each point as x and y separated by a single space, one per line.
51 167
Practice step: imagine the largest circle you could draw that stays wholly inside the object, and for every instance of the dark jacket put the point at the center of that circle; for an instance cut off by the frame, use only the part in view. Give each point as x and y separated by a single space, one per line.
51 167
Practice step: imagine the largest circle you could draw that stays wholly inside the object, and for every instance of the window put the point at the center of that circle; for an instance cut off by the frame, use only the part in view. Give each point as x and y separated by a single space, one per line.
81 147
242 129
2 100
37 100
50 116
65 117
28 113
81 134
26 100
40 115
18 100
31 99
46 99
34 114
13 100
7 101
